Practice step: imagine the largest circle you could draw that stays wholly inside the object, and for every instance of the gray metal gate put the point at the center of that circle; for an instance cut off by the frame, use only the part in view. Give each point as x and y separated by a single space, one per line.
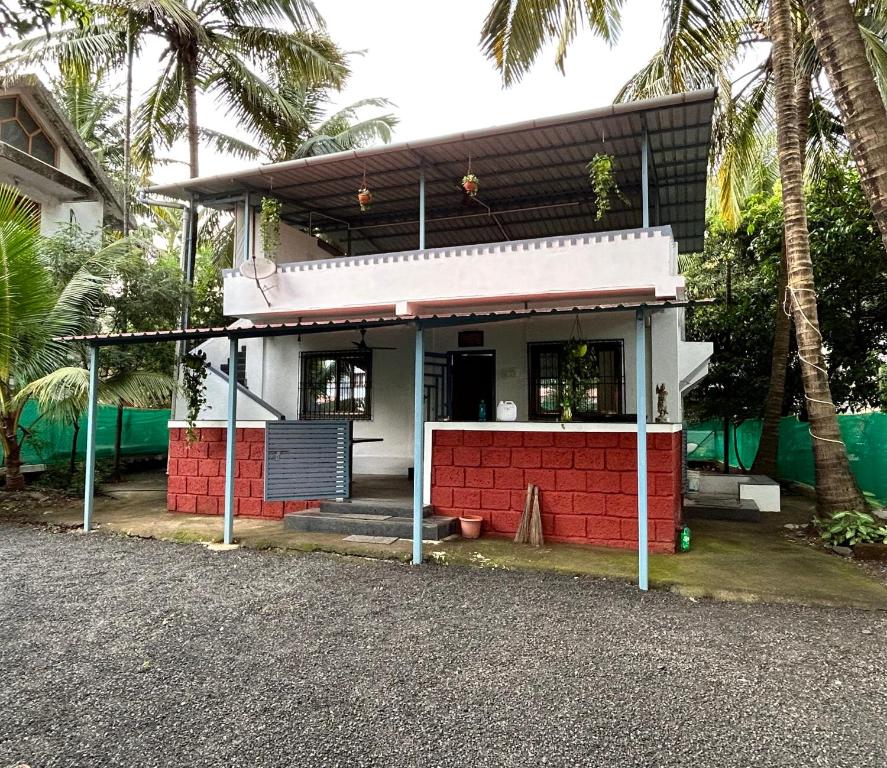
307 460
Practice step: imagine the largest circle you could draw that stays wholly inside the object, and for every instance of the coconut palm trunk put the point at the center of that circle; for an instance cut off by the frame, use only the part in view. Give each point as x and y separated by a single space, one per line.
836 487
836 33
189 69
12 450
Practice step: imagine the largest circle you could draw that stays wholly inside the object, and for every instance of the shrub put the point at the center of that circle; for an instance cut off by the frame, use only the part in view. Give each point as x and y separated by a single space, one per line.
850 528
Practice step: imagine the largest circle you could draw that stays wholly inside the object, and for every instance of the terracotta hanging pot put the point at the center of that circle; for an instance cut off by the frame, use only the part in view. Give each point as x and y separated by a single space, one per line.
470 184
365 198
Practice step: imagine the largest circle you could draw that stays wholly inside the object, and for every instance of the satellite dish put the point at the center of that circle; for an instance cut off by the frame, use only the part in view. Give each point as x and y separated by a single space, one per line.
258 269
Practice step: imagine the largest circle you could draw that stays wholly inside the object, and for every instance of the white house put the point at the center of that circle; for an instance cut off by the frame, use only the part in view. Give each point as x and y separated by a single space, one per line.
475 300
43 156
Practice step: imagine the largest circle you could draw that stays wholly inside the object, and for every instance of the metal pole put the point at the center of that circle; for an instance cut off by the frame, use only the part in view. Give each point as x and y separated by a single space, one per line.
230 441
645 179
418 443
91 412
247 227
641 397
421 210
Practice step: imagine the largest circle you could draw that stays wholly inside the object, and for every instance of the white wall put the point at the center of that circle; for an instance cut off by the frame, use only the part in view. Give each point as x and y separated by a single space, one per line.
295 245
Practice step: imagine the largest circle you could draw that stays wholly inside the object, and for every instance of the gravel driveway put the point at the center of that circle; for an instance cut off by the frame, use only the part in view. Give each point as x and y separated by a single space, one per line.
130 652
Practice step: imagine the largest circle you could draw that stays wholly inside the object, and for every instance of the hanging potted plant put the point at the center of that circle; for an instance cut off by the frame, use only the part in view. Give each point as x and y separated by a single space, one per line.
470 184
194 370
364 198
580 373
269 227
603 182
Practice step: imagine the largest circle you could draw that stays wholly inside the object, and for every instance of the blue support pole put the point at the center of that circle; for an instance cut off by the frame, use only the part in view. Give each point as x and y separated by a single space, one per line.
641 396
645 179
421 210
247 227
230 441
418 444
91 413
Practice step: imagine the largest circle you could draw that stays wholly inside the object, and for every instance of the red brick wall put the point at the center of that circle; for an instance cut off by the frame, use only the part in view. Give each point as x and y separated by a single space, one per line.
587 483
196 482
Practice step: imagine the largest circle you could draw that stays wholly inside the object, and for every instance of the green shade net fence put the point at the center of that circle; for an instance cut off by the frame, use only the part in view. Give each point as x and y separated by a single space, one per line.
145 433
865 435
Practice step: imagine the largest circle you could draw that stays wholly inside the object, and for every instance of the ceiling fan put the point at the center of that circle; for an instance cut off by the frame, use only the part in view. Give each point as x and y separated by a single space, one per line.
362 344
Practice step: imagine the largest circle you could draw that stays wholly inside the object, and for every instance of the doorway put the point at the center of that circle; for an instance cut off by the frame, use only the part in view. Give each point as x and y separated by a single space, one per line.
473 381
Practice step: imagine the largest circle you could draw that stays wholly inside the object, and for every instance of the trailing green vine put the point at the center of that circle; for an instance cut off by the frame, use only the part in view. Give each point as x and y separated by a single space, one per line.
194 370
580 373
269 227
600 173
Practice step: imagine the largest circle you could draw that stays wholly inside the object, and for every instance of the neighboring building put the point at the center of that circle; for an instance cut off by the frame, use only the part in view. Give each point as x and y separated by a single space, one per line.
498 284
43 156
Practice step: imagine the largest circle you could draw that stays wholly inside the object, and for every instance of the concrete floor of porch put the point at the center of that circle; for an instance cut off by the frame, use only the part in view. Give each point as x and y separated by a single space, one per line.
737 561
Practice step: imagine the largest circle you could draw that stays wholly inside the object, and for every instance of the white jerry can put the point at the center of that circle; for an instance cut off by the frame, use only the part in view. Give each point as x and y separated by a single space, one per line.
506 411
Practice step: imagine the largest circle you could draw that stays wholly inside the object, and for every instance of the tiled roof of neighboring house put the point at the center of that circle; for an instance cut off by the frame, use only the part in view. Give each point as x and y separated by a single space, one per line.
533 180
55 115
240 329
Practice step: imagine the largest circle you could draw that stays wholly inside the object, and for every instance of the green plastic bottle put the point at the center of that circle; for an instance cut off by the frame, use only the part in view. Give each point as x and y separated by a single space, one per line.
685 539
482 411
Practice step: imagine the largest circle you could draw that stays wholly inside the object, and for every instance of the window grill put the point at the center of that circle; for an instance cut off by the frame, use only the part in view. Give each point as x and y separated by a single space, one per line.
604 395
336 385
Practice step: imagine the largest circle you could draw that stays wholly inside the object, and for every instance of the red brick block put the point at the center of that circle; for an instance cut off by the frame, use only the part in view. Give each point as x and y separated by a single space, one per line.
290 507
505 522
629 483
663 509
186 502
217 451
250 468
466 498
629 530
196 485
508 439
664 531
570 480
557 458
449 476
603 482
176 449
660 461
256 451
212 435
272 509
538 439
441 496
441 456
254 435
176 433
478 477
555 503
661 442
621 460
602 439
198 450
607 528
188 467
477 439
172 467
448 437
257 489
569 526
492 499
176 484
242 489
207 505
215 486
509 479
526 458
518 499
589 503
628 440
589 458
495 457
662 484
466 457
569 439
170 501
545 479
249 507
619 505
209 467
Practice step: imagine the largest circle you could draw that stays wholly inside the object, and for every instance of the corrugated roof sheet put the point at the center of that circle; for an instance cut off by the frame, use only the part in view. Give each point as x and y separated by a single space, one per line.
356 323
533 180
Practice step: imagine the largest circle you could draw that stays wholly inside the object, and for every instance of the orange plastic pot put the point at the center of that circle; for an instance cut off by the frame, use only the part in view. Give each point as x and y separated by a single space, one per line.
470 526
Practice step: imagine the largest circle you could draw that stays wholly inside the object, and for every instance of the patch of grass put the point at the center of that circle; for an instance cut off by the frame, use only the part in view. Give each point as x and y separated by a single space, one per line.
192 537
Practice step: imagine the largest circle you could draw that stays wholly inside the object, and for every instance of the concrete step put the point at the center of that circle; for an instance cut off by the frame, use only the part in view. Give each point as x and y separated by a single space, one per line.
387 507
434 527
713 506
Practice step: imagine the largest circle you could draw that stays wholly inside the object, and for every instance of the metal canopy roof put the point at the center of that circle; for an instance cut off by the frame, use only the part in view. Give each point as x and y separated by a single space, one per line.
356 323
533 180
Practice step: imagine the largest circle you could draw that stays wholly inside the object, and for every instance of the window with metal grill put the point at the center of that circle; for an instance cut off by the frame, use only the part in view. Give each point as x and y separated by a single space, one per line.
336 385
603 396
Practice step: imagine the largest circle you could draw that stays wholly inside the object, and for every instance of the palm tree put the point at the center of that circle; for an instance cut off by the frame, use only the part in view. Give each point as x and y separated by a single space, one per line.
214 47
848 52
32 315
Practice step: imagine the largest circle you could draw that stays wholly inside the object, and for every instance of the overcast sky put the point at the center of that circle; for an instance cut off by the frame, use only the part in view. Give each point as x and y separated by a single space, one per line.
424 56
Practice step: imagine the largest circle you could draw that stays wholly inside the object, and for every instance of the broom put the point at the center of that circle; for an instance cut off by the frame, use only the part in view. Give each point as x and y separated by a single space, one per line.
523 529
536 539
